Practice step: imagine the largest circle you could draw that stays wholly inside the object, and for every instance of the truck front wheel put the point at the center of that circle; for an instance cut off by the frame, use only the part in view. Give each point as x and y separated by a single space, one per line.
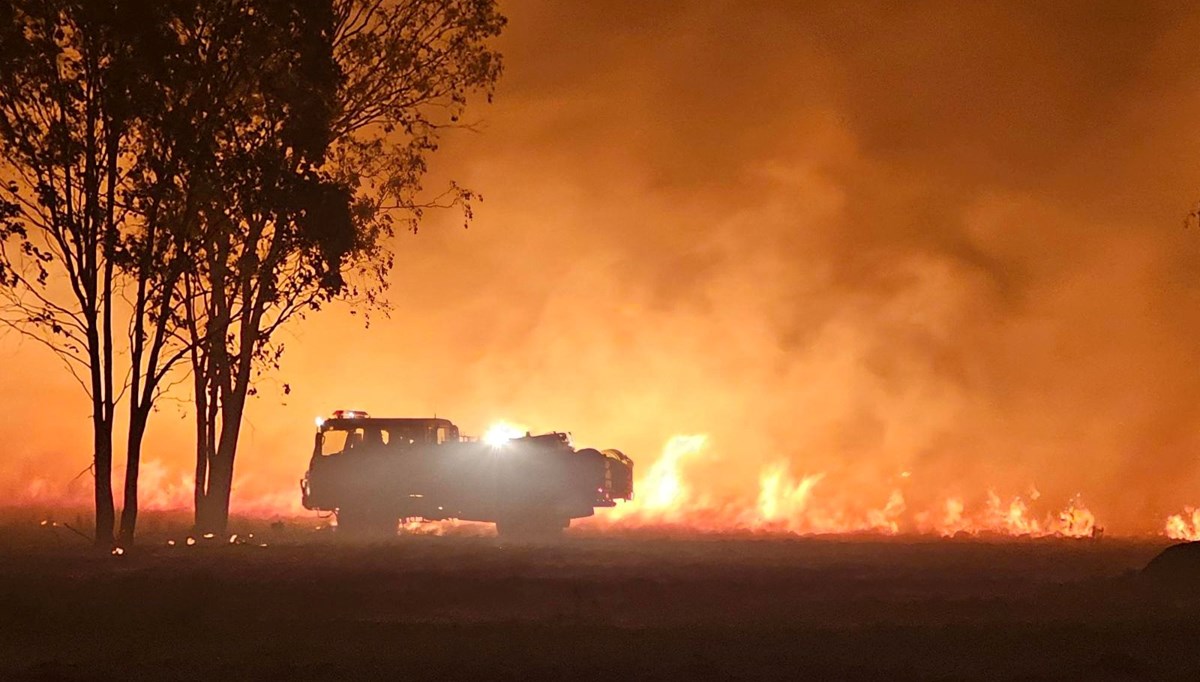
363 522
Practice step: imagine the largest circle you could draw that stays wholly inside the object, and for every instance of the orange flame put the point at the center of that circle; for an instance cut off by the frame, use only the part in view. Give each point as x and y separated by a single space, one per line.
801 506
784 501
1185 526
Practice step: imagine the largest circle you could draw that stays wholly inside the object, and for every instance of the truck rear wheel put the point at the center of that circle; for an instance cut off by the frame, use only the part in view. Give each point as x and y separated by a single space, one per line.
532 527
362 522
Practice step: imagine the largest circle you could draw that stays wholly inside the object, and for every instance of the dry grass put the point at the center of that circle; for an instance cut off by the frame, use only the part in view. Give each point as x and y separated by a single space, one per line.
643 607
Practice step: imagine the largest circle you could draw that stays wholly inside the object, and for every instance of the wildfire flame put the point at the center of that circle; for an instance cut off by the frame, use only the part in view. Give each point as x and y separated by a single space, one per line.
785 500
664 486
798 504
1185 526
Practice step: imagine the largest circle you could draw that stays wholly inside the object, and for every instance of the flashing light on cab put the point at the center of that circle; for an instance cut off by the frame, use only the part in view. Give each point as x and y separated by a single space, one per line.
340 414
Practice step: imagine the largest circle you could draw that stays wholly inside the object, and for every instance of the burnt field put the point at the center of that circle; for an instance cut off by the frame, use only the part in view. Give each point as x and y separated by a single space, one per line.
308 606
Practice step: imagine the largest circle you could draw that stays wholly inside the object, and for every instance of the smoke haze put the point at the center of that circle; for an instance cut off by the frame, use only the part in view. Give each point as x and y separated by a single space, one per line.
939 238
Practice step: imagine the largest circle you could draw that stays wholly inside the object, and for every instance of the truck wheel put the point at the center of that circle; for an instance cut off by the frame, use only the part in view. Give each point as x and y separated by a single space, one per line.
532 527
360 522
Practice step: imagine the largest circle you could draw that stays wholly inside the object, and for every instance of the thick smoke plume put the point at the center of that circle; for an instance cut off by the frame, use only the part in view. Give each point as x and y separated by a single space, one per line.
936 247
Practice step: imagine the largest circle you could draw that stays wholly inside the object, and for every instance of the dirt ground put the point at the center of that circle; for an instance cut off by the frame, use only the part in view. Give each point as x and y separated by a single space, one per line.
310 607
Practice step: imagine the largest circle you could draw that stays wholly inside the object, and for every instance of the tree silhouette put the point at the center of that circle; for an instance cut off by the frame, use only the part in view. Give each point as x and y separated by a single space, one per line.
180 179
74 84
311 192
241 78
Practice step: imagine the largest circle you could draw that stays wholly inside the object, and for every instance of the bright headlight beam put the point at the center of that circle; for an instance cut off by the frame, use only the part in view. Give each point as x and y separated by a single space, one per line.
500 433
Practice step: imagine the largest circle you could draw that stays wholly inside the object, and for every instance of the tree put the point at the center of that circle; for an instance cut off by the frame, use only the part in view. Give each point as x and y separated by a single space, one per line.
69 87
200 172
126 126
311 193
241 119
274 228
197 75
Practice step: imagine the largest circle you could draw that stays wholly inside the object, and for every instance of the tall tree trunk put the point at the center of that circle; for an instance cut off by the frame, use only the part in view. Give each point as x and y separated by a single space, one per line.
133 459
202 456
198 356
111 152
220 474
105 512
232 404
220 487
102 447
207 401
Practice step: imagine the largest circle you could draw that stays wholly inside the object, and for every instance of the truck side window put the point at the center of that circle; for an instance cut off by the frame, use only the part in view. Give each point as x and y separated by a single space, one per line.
333 442
338 441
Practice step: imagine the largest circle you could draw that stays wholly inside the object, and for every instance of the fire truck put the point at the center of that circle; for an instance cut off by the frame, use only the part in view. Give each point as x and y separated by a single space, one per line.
373 472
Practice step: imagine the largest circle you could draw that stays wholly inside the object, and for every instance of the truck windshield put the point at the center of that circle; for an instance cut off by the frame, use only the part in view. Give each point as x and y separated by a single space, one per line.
345 438
342 440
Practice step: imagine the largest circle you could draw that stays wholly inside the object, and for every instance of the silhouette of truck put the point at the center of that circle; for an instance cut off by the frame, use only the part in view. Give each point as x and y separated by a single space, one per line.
373 472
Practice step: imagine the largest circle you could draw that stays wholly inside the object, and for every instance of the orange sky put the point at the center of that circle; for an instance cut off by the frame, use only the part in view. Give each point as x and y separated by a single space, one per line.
945 238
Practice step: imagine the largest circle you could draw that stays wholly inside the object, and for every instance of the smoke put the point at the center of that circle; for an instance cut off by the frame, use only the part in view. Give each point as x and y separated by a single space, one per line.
938 238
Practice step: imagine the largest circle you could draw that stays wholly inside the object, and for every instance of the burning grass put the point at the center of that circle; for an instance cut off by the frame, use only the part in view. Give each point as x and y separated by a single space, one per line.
805 505
668 498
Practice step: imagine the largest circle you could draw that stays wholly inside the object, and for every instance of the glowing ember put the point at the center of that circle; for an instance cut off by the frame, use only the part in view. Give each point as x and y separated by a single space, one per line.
118 551
446 527
190 541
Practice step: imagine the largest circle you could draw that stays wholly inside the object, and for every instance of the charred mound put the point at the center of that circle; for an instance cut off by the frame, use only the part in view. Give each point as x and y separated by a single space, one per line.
1176 566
